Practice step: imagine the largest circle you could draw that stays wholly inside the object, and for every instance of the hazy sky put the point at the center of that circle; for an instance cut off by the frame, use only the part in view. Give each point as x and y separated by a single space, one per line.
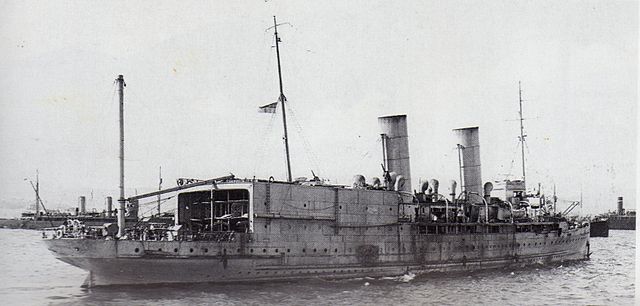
196 71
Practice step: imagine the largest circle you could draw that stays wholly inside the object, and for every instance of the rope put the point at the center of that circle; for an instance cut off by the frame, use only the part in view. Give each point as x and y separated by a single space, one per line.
367 154
260 150
513 160
311 157
156 201
162 201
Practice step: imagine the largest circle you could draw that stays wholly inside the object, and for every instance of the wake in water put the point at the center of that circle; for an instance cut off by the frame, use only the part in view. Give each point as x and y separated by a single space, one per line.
402 278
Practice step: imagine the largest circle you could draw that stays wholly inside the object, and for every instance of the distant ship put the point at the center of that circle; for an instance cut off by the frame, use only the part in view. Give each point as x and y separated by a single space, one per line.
229 229
41 217
599 226
622 219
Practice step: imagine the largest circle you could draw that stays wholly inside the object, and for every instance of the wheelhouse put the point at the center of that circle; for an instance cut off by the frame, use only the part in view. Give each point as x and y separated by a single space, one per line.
225 209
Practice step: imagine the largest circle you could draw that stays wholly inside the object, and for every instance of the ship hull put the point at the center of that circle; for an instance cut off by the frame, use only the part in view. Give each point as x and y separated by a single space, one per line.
113 262
622 222
600 228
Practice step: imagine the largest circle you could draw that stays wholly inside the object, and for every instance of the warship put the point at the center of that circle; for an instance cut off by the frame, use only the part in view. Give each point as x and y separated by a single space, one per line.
229 229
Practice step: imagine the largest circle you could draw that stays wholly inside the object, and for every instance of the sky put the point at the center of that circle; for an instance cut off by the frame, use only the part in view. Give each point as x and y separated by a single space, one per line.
196 71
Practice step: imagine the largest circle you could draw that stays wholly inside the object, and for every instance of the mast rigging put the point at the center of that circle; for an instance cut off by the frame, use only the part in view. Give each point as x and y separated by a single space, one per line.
282 99
522 135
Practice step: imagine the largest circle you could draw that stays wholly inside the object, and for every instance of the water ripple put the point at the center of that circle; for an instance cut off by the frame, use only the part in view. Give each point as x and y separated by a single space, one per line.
31 276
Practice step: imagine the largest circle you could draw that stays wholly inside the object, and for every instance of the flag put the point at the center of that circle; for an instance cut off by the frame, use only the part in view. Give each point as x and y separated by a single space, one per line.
269 108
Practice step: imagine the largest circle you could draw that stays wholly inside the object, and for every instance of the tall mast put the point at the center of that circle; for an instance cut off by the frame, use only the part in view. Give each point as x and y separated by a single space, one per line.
522 135
37 194
555 199
282 100
159 187
121 200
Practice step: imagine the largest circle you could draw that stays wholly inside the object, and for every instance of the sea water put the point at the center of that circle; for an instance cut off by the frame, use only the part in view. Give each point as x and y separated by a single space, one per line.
30 275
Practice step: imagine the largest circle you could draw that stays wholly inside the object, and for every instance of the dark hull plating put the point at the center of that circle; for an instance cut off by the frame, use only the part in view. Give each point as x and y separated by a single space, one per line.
600 228
137 262
302 231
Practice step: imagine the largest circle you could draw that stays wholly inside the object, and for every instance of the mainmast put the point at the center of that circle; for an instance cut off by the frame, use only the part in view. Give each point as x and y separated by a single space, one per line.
522 135
555 199
159 187
37 195
121 200
282 99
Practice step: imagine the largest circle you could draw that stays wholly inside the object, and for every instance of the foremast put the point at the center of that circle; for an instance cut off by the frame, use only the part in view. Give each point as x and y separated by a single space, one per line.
522 136
121 199
282 99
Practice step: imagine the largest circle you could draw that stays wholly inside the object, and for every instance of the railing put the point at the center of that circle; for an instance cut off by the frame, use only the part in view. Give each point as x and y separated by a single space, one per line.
74 229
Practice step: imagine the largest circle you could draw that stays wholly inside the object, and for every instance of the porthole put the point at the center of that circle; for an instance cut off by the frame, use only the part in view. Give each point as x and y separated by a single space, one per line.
305 205
340 206
325 250
190 250
159 250
206 250
304 250
276 250
288 250
335 251
314 250
136 250
390 209
175 250
264 250
251 250
265 226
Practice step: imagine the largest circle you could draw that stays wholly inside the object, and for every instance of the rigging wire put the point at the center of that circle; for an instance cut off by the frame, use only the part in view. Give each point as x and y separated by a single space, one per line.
155 201
261 149
367 154
311 157
162 201
513 160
